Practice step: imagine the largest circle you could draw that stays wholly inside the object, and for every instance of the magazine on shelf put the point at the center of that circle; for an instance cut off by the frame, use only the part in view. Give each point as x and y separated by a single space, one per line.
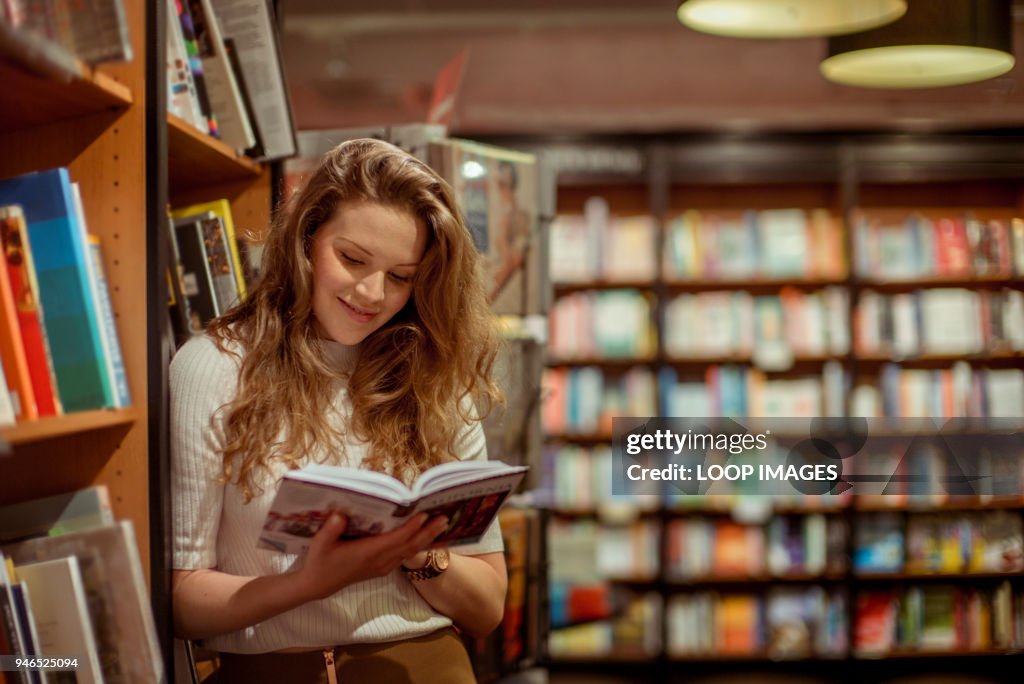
468 493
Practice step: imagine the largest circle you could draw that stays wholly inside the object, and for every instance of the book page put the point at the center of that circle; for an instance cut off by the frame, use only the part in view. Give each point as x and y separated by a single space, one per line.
470 509
301 508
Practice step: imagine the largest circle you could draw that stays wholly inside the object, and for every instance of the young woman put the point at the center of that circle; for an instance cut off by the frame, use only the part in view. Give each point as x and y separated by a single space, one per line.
367 342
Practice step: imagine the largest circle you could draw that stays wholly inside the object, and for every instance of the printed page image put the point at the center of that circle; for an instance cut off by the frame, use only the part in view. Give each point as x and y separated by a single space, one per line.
300 510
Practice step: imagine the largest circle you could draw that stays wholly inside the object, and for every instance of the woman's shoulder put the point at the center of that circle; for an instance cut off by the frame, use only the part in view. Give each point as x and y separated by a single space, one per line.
201 357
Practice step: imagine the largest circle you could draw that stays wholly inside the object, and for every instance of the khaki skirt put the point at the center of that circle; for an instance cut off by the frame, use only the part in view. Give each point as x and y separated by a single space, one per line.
435 658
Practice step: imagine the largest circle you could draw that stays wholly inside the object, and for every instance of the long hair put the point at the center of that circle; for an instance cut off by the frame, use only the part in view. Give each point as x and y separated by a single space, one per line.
418 377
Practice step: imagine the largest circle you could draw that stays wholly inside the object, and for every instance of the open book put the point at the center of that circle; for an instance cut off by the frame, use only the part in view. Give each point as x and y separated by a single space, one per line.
468 493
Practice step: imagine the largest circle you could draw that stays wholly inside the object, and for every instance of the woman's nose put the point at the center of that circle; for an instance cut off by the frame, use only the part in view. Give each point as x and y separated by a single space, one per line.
371 288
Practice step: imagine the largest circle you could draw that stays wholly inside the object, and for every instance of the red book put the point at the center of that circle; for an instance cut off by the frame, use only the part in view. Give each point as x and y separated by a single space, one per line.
12 351
21 274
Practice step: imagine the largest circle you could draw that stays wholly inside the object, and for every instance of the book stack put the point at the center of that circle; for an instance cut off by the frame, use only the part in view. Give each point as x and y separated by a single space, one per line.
72 589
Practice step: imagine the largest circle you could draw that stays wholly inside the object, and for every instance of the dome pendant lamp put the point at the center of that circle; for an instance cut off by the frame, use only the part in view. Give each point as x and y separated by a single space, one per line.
937 43
787 18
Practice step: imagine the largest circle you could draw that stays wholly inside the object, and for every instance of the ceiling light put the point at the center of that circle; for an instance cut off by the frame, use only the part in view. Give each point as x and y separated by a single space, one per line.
937 43
787 18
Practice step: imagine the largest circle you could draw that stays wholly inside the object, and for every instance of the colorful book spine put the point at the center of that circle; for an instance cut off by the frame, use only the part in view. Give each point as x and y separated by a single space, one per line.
12 351
222 208
70 318
111 340
25 288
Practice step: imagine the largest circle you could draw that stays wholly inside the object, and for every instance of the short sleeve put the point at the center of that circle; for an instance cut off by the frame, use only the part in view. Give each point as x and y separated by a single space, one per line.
202 379
471 445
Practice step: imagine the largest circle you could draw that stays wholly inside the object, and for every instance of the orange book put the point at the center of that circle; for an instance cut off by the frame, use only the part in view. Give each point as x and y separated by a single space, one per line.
20 278
12 351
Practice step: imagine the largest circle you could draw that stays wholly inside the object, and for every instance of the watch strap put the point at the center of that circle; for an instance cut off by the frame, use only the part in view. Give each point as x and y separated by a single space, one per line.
428 571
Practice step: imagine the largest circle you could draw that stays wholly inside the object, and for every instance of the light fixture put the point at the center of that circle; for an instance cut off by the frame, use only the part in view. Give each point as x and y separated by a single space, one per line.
937 43
787 18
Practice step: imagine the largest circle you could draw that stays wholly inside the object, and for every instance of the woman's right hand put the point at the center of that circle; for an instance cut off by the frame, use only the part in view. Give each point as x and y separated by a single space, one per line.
331 564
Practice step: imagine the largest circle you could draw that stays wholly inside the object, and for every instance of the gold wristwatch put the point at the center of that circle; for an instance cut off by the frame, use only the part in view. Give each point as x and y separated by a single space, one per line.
437 562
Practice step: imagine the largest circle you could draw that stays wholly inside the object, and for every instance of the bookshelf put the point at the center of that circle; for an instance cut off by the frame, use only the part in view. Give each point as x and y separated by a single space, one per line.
95 124
839 173
110 127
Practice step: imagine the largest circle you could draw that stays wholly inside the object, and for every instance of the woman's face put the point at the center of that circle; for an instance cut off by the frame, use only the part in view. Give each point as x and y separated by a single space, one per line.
363 259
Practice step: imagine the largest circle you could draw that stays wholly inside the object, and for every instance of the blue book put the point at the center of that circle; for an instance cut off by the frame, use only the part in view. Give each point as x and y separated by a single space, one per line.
70 318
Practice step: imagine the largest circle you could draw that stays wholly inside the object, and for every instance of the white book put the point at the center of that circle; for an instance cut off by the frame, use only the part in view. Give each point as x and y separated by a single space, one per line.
110 348
468 493
61 614
221 86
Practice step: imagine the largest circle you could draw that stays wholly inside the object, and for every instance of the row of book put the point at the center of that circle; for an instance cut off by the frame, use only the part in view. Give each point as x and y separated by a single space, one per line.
58 336
56 36
620 622
211 267
700 547
939 321
698 245
943 393
583 400
610 324
785 622
974 542
72 589
770 329
788 622
587 551
224 74
938 618
769 244
916 246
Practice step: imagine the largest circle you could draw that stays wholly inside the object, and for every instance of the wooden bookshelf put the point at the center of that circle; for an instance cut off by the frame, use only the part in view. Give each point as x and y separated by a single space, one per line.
196 160
678 184
95 125
73 423
28 100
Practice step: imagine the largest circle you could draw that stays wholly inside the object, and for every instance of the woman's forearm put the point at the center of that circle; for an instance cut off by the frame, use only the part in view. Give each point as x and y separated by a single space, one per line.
208 602
471 592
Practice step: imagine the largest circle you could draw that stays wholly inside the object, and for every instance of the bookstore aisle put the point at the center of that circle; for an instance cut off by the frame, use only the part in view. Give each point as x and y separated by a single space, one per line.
787 295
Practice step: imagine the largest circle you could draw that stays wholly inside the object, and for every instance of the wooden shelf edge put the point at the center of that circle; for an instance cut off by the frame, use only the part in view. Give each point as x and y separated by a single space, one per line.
115 90
70 424
192 136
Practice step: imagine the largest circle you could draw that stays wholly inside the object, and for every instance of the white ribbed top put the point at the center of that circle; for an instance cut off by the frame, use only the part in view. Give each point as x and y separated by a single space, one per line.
213 528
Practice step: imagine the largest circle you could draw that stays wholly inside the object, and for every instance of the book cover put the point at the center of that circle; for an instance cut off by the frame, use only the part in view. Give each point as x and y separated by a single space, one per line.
61 615
468 493
111 340
221 87
196 277
71 321
250 25
222 208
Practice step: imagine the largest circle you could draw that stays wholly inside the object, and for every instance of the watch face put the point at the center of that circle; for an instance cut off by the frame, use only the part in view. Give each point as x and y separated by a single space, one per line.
441 559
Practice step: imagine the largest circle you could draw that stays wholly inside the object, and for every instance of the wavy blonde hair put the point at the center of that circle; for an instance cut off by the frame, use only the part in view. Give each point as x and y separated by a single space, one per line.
411 387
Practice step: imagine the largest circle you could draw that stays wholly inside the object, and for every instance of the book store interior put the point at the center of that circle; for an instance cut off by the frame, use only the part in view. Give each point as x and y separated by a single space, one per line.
734 289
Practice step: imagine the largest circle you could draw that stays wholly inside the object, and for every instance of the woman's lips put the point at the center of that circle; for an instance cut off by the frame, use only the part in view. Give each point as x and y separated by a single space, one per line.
360 315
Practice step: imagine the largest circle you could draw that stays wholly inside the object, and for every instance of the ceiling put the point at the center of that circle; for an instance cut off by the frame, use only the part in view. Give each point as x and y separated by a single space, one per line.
579 67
